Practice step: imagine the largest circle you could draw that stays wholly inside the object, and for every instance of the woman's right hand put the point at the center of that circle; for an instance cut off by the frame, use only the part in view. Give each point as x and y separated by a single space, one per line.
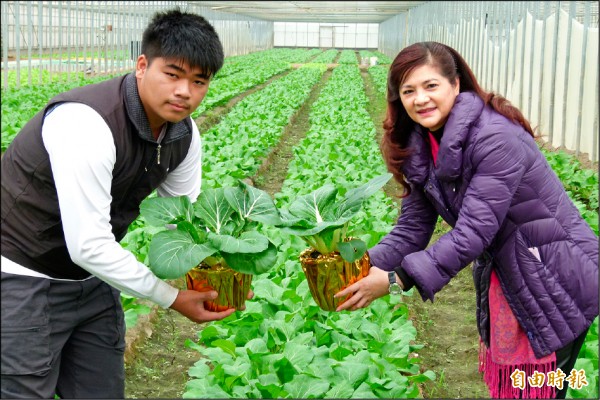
369 288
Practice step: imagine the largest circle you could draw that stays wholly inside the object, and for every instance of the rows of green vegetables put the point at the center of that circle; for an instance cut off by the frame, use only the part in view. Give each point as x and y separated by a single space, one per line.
283 345
382 59
16 78
327 57
241 73
222 89
20 105
235 148
347 57
379 75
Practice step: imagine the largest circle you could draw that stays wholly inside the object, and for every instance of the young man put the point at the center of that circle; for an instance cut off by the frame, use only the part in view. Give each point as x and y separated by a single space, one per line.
72 183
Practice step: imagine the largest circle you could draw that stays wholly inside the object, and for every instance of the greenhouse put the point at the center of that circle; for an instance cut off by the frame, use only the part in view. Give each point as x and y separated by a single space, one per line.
299 129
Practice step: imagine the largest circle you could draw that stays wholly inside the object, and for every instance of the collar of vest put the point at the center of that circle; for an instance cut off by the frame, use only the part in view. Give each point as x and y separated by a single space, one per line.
137 115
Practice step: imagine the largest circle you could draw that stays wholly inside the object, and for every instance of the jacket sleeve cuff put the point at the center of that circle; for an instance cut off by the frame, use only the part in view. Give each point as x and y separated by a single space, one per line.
165 294
407 281
380 258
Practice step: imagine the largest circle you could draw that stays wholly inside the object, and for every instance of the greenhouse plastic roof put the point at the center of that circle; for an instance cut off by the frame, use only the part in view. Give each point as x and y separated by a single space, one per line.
315 11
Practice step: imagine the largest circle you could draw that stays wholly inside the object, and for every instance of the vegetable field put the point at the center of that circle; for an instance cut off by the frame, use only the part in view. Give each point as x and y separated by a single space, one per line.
291 121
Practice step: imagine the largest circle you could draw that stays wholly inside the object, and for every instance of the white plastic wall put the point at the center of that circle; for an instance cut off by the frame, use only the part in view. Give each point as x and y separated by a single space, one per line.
326 35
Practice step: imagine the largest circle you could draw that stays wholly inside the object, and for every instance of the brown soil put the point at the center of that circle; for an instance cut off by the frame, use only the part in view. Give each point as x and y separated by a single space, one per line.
582 157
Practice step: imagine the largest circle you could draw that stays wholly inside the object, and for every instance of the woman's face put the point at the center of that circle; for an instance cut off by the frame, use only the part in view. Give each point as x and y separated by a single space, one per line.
428 97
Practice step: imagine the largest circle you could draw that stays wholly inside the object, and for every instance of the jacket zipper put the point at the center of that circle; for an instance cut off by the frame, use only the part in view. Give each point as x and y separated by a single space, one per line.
149 163
438 194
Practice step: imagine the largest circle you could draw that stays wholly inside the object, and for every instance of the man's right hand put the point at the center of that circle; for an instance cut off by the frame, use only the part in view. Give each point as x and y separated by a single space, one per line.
190 303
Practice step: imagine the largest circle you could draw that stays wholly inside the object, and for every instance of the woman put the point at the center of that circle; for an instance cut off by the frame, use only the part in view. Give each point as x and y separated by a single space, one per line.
470 157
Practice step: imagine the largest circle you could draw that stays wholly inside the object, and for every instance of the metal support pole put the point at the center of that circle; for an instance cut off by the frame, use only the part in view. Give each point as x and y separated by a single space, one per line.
534 12
586 28
40 41
572 12
4 28
29 41
545 16
522 61
17 13
553 73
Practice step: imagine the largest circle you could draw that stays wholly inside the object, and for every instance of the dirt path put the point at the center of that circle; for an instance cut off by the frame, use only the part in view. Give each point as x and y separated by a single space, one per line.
157 366
448 330
272 173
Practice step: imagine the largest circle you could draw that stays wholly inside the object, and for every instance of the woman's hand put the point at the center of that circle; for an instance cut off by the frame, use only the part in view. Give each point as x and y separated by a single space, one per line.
363 292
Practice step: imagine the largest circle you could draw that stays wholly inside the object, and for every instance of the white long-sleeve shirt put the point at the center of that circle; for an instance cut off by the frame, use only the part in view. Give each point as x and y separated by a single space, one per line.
82 157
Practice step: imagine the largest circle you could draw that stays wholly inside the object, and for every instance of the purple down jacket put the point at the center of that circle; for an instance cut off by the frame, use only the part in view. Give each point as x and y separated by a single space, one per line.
507 207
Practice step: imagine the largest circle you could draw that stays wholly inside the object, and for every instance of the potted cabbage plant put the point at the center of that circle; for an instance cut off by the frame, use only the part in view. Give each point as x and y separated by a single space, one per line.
213 242
334 260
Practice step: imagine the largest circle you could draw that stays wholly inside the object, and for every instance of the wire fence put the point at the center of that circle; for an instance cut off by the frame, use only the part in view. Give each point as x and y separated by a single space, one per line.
541 55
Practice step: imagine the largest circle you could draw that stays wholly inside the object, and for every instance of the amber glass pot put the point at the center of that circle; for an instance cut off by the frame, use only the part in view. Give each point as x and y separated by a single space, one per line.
328 274
232 286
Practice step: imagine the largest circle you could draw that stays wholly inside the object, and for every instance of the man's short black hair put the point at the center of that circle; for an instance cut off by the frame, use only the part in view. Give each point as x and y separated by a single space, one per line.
185 36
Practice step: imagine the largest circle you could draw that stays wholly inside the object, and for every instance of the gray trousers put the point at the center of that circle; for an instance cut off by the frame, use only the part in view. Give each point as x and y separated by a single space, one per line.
61 337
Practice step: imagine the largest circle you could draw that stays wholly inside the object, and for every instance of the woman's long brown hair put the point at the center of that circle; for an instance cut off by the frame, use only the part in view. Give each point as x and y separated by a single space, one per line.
398 125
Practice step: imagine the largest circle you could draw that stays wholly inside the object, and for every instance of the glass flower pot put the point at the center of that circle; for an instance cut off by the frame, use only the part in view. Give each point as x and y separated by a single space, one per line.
328 274
232 286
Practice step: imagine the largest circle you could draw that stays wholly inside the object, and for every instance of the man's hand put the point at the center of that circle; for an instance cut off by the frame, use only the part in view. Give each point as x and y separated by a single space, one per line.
369 288
190 303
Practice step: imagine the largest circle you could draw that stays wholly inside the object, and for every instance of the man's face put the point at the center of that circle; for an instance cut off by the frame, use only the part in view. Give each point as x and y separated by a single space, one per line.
170 89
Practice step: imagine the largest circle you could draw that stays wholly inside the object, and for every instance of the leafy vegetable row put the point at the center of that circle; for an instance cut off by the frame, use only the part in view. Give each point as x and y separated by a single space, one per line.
224 89
581 184
234 148
241 73
20 105
348 57
327 57
381 58
379 74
